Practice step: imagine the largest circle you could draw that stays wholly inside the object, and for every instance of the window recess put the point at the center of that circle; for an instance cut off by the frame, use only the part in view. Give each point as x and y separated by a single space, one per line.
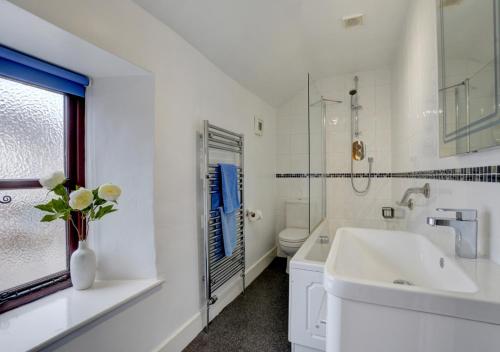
42 129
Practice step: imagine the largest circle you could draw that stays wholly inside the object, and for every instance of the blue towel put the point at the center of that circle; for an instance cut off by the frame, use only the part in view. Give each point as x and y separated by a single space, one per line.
231 205
216 199
229 182
228 231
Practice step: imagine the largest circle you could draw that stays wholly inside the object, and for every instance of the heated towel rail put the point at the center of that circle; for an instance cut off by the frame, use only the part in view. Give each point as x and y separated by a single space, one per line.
219 144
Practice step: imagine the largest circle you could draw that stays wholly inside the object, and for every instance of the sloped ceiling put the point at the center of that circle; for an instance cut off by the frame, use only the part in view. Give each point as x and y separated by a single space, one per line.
268 46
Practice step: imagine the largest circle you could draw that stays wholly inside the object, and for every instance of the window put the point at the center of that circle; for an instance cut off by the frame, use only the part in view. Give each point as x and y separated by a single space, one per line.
41 131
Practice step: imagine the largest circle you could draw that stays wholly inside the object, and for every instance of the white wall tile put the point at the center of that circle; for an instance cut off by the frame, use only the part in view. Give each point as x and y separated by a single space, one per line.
283 144
283 163
300 163
299 143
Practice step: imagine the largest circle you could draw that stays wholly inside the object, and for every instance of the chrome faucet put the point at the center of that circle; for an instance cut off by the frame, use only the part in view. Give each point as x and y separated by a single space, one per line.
465 225
406 201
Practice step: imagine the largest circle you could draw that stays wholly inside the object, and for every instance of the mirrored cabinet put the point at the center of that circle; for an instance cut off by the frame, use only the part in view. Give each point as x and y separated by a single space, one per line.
469 117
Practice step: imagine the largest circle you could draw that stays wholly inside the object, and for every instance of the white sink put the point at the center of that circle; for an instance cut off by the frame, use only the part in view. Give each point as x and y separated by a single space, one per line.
383 257
438 303
363 265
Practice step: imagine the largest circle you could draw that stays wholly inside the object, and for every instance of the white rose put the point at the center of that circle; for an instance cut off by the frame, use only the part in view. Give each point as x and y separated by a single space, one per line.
81 198
53 180
109 192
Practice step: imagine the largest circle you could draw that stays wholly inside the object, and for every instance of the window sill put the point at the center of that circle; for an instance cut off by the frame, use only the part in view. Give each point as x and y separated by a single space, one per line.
40 323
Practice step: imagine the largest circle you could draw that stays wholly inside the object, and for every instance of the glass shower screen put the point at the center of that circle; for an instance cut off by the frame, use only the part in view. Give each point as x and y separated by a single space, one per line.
317 158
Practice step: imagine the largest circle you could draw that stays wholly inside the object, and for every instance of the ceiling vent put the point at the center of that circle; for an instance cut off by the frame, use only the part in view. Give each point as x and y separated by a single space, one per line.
353 20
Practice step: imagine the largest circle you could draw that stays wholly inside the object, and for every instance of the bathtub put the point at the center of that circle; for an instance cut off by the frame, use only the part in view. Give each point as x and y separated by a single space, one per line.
312 255
307 297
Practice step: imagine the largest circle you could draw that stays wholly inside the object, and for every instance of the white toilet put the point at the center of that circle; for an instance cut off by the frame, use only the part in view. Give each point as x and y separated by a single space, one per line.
296 230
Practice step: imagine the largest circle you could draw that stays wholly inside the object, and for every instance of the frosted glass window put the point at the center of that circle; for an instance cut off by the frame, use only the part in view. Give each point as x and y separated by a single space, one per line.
31 145
29 250
31 131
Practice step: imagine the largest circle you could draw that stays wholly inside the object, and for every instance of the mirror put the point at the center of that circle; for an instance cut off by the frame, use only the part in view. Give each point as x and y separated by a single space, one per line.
469 117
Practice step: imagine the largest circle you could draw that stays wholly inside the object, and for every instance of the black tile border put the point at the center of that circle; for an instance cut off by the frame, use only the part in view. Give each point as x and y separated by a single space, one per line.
490 174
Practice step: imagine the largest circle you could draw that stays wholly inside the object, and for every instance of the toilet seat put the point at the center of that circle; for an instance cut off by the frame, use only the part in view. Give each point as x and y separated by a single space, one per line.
293 236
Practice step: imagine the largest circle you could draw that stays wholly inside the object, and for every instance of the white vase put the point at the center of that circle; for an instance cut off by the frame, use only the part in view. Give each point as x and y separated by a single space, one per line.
82 266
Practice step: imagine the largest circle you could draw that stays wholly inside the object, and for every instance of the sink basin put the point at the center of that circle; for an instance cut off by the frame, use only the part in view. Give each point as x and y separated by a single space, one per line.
406 270
396 291
393 257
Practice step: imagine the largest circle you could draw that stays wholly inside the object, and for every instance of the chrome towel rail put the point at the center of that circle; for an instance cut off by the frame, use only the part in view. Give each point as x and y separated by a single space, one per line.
219 269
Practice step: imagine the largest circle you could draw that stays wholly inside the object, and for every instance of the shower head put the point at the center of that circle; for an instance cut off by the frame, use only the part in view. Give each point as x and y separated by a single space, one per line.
353 92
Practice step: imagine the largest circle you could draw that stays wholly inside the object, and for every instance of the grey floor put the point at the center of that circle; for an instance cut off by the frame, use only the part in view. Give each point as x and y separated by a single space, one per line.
256 321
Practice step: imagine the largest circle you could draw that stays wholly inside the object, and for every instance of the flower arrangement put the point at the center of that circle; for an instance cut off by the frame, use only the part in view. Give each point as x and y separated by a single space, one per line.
91 204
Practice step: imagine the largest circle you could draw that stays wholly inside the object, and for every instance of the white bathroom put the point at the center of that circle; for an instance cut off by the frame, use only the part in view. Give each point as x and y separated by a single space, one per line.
286 175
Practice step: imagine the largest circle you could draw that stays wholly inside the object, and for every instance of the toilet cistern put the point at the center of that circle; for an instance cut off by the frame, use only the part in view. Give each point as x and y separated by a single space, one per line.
465 226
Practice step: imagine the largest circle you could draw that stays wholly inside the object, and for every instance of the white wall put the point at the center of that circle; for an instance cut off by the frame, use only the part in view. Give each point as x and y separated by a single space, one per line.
188 89
120 150
415 138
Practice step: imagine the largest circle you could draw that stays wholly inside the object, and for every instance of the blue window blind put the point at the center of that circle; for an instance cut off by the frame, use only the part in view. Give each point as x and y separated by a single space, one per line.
28 69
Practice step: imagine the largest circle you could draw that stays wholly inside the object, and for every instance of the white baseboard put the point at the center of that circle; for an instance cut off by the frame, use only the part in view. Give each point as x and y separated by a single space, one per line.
192 327
256 269
182 336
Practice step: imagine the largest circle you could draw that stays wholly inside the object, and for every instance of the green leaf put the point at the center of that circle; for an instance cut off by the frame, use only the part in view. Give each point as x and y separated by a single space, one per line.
103 210
60 190
59 205
50 217
67 213
64 216
99 214
108 212
45 207
98 201
91 213
89 208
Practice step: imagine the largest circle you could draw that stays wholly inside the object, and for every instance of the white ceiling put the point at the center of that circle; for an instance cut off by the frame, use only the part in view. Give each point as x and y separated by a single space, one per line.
268 46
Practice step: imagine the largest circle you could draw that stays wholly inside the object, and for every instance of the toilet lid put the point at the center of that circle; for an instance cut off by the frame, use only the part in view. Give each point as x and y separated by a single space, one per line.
293 235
